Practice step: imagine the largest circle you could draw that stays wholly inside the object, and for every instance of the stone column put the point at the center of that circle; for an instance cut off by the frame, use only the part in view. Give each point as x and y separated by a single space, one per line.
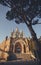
22 49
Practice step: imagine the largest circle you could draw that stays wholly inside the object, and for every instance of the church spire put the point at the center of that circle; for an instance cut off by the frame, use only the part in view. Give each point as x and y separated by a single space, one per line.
17 33
21 34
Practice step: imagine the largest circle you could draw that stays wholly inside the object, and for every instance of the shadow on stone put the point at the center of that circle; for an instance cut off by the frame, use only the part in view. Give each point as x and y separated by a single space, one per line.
11 57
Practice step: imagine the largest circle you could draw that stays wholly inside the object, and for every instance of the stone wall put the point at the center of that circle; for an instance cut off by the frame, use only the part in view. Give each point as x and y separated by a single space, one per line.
4 47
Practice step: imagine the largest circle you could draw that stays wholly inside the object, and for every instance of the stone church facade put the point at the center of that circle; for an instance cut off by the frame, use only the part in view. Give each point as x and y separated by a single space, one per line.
18 45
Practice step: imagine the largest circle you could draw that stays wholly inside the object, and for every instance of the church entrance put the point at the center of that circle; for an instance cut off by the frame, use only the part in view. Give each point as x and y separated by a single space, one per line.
18 48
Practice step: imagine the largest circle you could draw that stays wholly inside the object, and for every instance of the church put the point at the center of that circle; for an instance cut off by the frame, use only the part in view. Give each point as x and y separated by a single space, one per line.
17 45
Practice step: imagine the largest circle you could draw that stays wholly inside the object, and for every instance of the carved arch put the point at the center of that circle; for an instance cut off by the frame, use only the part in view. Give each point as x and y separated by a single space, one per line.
20 45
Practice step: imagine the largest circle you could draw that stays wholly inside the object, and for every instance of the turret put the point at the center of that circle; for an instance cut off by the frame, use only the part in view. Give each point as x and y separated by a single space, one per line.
21 34
17 34
12 33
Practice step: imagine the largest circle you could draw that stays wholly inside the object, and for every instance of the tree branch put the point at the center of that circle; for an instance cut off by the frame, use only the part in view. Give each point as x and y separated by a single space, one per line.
35 23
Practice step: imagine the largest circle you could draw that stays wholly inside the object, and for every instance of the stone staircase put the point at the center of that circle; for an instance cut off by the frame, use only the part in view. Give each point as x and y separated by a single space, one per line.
24 56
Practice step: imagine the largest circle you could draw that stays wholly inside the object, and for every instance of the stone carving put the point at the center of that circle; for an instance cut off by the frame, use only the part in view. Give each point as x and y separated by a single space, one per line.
18 45
17 34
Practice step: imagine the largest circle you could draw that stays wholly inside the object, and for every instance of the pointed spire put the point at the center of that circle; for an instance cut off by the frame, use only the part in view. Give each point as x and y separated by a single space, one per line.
17 32
16 29
12 33
21 33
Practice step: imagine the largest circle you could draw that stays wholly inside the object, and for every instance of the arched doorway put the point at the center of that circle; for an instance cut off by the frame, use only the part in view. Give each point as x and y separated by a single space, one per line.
18 48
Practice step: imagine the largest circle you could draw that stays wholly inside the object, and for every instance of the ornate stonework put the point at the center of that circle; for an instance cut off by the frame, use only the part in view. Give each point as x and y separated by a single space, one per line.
17 45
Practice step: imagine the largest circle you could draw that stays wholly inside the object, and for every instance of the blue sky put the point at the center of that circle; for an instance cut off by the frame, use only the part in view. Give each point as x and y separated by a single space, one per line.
6 26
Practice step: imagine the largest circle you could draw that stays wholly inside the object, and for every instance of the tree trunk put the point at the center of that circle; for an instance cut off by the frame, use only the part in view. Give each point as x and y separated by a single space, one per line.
35 40
34 37
33 34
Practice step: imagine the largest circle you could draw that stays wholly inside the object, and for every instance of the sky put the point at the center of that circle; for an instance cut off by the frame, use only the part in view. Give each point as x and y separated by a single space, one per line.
6 26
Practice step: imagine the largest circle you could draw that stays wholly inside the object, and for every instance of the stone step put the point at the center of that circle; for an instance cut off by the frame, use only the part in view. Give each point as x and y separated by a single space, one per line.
24 56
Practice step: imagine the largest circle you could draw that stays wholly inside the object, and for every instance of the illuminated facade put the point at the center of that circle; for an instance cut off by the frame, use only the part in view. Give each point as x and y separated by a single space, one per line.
19 45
